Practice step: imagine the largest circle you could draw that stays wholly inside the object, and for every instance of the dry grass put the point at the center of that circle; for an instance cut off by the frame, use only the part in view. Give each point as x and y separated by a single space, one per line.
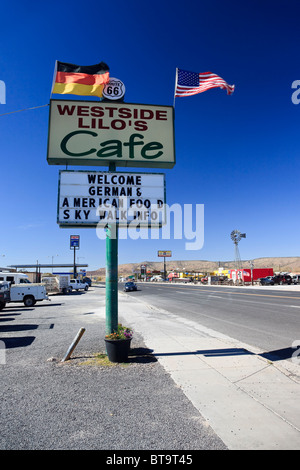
101 360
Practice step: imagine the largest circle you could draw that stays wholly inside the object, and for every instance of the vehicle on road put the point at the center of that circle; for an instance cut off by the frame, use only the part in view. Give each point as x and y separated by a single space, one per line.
296 279
282 279
266 281
130 286
76 284
4 294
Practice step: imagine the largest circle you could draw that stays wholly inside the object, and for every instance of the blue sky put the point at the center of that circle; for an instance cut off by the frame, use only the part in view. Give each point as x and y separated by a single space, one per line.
238 155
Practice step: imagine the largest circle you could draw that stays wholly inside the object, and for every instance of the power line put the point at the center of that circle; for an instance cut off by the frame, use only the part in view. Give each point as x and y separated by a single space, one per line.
26 109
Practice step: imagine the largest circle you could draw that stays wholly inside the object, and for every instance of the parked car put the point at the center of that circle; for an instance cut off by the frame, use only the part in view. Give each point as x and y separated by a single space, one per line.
296 279
266 281
282 279
76 284
87 280
156 278
59 284
130 286
4 294
28 293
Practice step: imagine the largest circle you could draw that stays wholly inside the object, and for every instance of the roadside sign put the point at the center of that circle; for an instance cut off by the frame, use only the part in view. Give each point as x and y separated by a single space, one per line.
164 253
111 134
74 241
114 89
95 199
88 133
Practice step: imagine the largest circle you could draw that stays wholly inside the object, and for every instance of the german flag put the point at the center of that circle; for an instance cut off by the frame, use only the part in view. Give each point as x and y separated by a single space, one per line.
80 79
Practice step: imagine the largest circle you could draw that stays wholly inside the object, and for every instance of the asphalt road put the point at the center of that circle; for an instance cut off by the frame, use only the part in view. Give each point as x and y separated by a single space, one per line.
264 318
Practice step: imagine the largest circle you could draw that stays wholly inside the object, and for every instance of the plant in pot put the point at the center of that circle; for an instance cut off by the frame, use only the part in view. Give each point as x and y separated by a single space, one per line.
118 344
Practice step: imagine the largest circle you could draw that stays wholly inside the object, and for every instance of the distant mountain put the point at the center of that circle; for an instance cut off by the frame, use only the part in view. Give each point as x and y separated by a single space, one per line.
286 264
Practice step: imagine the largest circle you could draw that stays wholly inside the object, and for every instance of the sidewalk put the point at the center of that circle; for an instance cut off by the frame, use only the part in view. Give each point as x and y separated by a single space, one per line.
249 401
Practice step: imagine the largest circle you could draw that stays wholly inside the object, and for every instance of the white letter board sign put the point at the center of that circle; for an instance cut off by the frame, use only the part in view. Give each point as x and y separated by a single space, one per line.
95 199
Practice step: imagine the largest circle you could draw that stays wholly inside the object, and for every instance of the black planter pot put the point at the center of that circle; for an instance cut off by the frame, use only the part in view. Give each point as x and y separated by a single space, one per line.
118 349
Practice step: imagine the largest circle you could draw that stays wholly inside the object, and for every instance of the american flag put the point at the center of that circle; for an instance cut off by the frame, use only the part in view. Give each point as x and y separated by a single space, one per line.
191 83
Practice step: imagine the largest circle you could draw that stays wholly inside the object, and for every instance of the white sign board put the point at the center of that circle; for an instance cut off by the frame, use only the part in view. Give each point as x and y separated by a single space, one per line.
95 199
89 133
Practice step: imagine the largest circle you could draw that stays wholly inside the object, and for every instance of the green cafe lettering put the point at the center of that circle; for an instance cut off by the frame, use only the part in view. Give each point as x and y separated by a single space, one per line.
114 147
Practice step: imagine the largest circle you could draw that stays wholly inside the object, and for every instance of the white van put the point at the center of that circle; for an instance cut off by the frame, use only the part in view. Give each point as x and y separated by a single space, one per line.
14 278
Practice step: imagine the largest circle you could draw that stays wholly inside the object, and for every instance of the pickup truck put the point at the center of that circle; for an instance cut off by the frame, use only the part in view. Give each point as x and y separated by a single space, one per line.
76 284
29 293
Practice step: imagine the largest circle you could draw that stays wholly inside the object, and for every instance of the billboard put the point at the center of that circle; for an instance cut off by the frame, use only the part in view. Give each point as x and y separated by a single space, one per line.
98 198
164 253
89 133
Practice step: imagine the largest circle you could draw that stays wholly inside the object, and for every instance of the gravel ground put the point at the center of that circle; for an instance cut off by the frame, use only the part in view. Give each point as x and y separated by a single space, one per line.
47 404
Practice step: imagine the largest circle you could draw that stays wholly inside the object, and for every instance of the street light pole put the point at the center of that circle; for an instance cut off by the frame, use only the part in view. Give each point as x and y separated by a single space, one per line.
52 259
251 265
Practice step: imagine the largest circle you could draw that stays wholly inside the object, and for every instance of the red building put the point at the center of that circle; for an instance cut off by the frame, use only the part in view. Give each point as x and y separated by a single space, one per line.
245 274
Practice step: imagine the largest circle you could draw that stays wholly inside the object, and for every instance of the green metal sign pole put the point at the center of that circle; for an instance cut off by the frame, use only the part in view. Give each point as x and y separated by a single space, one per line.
111 274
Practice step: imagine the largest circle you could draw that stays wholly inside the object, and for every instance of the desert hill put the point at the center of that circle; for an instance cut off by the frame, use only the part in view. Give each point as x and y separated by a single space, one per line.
285 264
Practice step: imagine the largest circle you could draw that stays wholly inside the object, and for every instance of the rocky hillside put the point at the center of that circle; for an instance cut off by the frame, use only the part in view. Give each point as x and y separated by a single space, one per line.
287 264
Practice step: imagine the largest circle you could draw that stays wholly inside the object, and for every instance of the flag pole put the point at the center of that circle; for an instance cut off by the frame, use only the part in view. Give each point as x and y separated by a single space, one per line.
176 78
54 76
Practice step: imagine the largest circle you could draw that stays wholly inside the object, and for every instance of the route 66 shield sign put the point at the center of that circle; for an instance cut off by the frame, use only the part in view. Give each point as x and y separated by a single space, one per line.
114 89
